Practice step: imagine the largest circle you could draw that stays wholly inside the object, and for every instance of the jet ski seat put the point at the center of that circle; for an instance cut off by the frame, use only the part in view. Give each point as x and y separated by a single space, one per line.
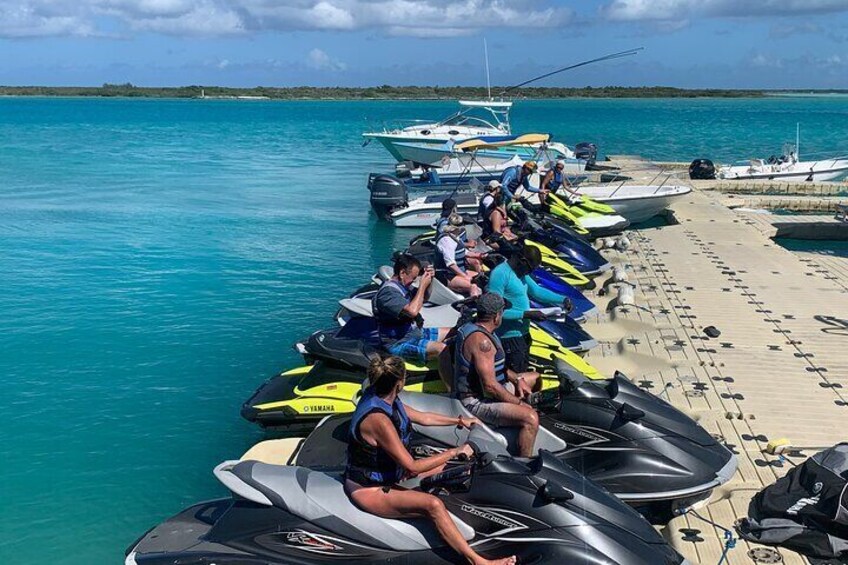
328 344
320 499
505 437
438 316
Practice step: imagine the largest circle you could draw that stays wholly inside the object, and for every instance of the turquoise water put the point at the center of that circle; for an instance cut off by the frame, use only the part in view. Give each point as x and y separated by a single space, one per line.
822 247
159 258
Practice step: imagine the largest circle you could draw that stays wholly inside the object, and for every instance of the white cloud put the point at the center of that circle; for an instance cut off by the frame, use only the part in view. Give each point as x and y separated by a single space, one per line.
24 19
659 10
319 60
420 18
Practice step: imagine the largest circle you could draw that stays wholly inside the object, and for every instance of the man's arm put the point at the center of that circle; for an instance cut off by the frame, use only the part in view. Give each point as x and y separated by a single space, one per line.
483 357
543 295
506 178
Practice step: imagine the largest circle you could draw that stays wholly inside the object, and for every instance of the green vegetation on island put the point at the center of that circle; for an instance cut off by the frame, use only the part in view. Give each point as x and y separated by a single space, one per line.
384 92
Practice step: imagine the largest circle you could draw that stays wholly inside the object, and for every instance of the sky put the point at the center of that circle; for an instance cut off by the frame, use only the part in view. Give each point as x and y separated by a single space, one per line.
687 43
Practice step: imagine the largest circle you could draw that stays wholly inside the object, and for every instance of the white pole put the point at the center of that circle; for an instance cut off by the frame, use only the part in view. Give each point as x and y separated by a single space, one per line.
798 141
488 80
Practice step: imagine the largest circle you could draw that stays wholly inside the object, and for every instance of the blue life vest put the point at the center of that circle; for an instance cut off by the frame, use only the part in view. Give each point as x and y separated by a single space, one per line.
556 182
514 181
391 328
369 465
459 256
466 381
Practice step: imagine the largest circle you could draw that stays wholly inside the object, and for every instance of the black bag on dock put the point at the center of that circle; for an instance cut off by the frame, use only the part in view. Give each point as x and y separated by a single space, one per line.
806 510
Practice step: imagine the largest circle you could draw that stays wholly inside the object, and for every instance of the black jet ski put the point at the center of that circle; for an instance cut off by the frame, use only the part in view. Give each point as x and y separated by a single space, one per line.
631 442
539 510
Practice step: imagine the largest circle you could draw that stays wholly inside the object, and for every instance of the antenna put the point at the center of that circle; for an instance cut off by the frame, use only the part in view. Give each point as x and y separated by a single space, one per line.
609 57
488 80
798 141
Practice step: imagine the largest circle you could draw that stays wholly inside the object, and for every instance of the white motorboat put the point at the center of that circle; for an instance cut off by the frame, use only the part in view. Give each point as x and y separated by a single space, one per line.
475 118
424 211
786 167
637 203
489 151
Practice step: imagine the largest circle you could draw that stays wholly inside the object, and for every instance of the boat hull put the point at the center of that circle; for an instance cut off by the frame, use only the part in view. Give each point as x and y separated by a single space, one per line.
636 203
813 171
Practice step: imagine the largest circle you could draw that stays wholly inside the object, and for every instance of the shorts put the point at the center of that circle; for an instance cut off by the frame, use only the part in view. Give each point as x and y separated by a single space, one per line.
489 411
415 349
517 351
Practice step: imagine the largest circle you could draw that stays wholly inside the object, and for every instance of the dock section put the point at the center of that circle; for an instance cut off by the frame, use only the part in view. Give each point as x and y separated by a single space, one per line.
779 369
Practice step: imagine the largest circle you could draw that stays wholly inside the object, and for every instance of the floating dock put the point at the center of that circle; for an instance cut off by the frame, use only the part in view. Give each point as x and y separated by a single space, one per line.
779 369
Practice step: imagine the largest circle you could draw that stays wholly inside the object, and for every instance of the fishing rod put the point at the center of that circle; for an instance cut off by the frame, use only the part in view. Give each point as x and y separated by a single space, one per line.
609 57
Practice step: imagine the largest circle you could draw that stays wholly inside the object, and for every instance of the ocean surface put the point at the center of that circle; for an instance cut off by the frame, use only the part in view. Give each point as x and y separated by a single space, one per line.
158 258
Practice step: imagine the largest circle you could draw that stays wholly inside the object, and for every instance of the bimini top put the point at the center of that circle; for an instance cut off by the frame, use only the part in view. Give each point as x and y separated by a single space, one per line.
501 141
485 104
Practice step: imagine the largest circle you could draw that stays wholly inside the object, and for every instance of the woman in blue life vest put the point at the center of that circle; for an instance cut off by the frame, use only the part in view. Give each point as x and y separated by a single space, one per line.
378 457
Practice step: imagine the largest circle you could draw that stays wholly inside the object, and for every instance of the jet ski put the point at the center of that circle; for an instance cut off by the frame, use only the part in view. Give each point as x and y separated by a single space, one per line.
632 443
539 510
441 311
584 221
567 243
553 240
337 359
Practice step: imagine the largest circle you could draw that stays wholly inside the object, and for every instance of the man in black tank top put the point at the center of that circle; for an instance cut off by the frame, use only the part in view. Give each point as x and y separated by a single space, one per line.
480 354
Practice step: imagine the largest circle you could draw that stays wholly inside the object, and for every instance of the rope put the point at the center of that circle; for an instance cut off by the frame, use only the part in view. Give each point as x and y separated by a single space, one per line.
729 538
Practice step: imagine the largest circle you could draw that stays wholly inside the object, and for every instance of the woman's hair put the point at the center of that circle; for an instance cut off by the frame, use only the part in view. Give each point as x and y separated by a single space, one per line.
385 372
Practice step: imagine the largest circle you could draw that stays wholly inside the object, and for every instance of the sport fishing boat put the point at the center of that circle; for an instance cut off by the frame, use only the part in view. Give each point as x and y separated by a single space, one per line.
475 118
787 167
288 505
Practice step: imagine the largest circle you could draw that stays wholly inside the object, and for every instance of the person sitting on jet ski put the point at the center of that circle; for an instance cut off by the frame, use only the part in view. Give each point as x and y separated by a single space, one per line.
511 280
378 457
397 312
493 188
495 224
483 383
515 177
448 209
453 261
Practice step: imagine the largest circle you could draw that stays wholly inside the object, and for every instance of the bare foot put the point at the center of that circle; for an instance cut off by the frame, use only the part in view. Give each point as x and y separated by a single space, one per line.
505 561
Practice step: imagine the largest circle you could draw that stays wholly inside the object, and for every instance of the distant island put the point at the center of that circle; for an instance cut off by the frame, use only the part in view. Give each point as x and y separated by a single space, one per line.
385 92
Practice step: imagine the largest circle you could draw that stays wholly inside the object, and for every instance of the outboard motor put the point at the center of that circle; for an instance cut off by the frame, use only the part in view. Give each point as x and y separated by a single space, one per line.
403 170
702 169
586 151
387 193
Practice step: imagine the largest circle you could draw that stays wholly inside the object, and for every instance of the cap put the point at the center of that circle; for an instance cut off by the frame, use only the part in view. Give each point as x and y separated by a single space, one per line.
448 205
455 220
530 165
489 304
560 163
493 185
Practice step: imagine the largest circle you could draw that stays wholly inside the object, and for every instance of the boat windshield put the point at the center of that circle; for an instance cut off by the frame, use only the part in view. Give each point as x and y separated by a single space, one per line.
480 115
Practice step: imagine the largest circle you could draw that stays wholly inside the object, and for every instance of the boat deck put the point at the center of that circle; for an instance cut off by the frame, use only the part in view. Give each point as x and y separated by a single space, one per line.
779 369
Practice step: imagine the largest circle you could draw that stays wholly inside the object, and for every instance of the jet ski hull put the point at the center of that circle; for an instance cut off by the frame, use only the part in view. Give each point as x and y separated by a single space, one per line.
539 510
